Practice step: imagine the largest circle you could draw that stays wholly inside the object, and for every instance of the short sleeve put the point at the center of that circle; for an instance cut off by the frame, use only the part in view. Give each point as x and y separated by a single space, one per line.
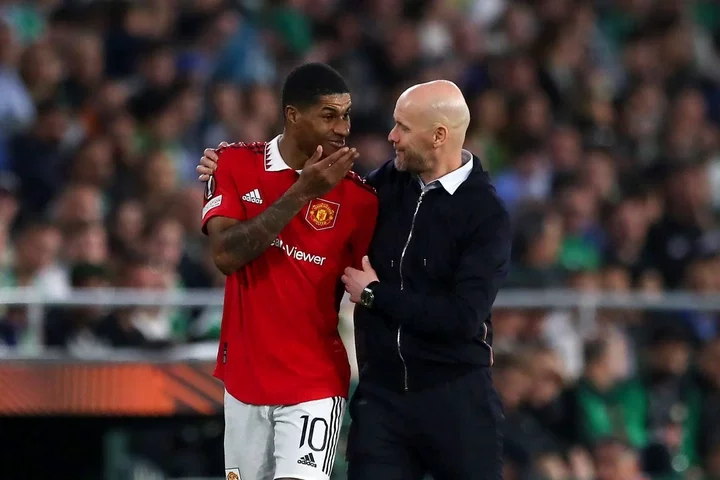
221 197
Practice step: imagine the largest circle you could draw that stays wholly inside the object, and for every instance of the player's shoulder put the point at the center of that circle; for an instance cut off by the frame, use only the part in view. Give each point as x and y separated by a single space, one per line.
244 148
242 154
359 186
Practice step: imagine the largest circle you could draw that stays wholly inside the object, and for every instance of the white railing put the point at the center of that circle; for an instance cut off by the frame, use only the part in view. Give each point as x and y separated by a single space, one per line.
586 303
506 299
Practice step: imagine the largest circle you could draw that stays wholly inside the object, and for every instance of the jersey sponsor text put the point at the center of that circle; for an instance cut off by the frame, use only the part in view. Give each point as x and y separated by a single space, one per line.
297 254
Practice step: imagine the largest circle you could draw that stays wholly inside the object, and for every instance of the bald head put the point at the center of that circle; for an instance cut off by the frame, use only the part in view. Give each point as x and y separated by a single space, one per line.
437 103
431 120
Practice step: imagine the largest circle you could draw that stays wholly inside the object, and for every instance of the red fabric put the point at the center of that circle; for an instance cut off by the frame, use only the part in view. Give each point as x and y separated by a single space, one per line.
279 340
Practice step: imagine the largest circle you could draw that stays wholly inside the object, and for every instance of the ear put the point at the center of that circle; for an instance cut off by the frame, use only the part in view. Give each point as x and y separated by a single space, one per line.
440 135
292 114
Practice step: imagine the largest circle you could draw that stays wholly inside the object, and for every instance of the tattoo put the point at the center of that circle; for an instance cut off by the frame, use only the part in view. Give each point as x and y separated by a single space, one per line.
245 241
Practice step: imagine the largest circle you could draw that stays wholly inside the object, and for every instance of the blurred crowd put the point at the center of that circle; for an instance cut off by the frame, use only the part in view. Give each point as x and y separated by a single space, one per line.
598 120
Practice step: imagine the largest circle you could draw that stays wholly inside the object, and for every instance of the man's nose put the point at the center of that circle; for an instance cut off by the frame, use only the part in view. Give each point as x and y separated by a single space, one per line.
342 129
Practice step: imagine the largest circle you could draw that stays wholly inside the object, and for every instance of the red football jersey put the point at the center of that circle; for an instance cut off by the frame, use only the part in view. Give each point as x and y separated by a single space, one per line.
279 341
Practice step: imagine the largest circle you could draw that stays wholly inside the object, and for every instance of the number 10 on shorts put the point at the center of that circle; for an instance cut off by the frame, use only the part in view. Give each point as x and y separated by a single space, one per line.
310 435
319 424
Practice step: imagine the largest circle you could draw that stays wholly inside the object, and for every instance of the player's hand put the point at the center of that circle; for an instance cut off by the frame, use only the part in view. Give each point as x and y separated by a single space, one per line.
356 280
320 175
208 163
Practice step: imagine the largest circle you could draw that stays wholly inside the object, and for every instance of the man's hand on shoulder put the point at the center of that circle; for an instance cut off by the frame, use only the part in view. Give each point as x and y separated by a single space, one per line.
208 162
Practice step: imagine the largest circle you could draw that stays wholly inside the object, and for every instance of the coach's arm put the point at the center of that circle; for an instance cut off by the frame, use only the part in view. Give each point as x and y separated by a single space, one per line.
459 313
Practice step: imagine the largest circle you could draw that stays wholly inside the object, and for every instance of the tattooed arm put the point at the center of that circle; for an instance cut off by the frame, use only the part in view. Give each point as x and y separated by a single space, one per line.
234 243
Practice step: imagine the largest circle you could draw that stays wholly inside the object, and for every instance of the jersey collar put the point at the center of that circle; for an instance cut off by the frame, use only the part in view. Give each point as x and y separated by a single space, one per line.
273 160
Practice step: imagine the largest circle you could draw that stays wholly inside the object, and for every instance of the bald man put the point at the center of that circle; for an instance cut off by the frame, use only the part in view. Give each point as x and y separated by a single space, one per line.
425 402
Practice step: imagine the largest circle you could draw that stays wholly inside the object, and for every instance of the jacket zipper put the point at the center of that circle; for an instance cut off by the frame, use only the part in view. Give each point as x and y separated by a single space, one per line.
402 285
484 340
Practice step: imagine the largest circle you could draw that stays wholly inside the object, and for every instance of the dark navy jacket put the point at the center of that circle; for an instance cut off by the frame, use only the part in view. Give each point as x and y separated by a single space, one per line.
440 258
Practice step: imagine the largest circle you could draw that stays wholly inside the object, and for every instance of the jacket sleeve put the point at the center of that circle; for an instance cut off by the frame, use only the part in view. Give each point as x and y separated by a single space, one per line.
366 217
461 311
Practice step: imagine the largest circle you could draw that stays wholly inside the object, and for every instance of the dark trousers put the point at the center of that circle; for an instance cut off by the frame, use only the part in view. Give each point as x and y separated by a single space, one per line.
451 431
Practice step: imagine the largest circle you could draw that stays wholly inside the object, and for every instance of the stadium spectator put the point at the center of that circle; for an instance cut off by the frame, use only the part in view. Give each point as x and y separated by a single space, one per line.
617 460
74 329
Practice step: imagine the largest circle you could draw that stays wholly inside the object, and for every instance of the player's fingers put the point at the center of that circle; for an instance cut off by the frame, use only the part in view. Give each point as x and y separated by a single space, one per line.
355 156
345 280
352 155
343 165
202 169
337 155
345 159
315 157
208 165
210 153
347 168
204 177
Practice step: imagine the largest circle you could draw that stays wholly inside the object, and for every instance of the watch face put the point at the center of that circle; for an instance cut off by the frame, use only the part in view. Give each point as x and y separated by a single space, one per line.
366 298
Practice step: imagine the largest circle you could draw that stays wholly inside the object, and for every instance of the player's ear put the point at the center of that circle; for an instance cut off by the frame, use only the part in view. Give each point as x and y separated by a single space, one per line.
292 114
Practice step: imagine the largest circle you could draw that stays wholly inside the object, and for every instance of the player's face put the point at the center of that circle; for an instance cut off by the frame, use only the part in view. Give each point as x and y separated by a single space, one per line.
327 123
412 141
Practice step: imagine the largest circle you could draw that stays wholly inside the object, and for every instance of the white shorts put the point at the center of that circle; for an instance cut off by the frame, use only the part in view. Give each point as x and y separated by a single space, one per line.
294 441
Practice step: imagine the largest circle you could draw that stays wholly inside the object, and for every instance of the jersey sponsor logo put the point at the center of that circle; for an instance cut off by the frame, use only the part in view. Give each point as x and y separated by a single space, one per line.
210 187
232 474
297 254
322 214
253 197
214 203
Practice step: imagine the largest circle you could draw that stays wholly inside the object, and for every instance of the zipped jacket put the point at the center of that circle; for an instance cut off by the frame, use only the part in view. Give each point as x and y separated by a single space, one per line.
440 258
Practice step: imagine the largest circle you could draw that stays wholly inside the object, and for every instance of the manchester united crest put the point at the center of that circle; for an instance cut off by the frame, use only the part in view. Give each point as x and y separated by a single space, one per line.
322 214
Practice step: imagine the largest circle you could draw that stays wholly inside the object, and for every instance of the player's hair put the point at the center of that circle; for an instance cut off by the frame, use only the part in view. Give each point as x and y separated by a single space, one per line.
305 85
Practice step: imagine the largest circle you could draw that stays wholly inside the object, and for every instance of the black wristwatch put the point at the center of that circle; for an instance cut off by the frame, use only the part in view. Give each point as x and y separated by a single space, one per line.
367 297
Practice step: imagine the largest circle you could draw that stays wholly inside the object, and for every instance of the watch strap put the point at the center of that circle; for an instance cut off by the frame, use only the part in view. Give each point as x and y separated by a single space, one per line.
371 285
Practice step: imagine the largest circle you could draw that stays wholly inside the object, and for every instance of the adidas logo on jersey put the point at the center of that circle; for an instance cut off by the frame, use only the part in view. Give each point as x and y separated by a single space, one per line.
308 460
253 197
